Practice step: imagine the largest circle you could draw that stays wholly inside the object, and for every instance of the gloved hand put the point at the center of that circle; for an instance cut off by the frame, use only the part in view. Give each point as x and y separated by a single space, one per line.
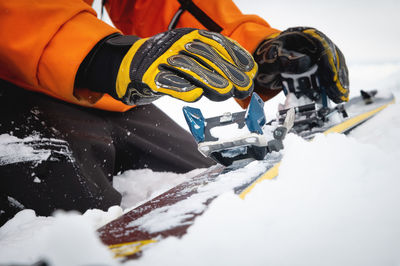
182 63
307 56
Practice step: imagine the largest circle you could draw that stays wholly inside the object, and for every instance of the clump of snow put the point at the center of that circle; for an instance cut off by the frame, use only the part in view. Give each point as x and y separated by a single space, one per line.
14 150
97 218
30 149
292 101
63 239
24 232
137 186
71 240
230 131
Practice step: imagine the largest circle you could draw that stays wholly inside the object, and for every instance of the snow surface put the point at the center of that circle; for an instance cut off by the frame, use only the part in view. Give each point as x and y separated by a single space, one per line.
323 215
335 202
177 214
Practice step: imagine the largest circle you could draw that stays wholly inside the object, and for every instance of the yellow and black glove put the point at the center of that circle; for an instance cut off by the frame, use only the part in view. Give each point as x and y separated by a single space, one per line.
182 63
306 61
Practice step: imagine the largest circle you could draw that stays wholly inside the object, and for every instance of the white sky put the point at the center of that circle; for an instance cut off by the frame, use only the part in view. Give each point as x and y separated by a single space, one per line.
365 31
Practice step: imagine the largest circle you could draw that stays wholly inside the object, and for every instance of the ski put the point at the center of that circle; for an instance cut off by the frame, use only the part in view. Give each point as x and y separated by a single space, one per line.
173 212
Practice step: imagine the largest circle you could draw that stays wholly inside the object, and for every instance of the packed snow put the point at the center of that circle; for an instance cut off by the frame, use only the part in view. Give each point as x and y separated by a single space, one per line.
135 190
31 149
335 201
177 214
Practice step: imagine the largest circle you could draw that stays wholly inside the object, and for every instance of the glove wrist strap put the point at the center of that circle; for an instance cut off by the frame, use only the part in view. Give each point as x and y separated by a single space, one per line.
98 71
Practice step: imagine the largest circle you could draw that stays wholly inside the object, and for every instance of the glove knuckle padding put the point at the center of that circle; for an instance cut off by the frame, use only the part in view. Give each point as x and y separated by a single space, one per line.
187 63
218 62
240 57
184 62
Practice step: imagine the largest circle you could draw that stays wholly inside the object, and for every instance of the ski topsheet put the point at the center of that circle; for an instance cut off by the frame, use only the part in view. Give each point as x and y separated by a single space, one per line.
174 211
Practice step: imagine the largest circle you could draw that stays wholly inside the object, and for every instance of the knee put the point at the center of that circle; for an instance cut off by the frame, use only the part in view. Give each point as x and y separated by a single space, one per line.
105 200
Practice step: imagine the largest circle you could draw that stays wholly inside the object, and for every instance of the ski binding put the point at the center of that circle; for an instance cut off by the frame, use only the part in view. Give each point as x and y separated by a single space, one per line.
249 140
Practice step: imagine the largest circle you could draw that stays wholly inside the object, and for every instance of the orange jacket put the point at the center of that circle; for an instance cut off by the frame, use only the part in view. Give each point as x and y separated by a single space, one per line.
44 42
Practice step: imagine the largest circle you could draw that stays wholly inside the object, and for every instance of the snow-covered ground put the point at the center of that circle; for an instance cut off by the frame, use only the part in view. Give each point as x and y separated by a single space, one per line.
335 202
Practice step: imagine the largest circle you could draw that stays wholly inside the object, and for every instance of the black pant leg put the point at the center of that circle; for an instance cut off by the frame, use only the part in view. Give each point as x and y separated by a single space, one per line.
53 155
145 137
73 152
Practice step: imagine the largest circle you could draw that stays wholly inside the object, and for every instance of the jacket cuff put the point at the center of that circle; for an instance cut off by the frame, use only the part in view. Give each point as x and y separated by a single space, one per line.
64 54
251 32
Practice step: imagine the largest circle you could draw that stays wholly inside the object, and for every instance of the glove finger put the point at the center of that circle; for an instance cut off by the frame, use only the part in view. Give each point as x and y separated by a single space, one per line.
272 82
227 58
231 50
225 68
332 69
273 58
172 84
334 77
216 87
295 39
293 62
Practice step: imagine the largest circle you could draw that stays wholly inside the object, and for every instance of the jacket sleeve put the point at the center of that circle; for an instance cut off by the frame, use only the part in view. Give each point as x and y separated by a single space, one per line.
146 18
44 42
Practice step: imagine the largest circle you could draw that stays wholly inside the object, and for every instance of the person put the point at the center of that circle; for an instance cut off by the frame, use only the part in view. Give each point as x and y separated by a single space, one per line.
76 94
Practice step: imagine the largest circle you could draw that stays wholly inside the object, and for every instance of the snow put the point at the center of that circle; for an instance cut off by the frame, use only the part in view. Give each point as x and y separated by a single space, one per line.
135 185
44 238
336 199
13 150
30 149
335 202
231 131
336 213
177 214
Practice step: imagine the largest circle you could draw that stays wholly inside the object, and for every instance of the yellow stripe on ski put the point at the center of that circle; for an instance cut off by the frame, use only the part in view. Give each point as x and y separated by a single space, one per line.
129 248
270 174
340 128
348 124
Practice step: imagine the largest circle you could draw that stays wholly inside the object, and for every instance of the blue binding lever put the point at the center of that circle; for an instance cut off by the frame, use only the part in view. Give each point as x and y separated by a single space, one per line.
195 120
255 116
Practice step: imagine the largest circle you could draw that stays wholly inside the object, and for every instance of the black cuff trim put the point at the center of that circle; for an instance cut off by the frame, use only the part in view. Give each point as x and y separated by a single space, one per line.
98 71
